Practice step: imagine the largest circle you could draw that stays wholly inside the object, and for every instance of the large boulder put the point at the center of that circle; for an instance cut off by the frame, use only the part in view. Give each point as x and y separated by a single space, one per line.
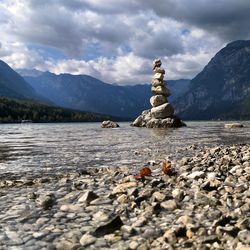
146 120
160 90
163 111
158 100
109 124
142 120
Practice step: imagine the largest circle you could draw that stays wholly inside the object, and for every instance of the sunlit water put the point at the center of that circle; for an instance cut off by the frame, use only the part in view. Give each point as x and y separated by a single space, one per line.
59 147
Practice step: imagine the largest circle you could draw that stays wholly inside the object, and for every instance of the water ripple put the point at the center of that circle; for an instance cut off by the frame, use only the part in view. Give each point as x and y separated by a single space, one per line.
40 147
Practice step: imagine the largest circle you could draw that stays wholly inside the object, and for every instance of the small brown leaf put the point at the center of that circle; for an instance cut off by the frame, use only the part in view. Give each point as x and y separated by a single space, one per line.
167 168
145 171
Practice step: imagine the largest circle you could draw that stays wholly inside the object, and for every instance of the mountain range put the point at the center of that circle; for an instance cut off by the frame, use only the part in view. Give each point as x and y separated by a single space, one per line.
19 101
13 85
220 91
84 92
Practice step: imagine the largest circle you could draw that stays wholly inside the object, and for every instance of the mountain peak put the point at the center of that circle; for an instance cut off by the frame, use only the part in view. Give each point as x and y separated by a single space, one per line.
238 44
222 89
13 85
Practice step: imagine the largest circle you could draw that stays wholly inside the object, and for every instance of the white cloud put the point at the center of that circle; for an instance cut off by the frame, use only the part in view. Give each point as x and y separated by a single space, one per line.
127 69
116 41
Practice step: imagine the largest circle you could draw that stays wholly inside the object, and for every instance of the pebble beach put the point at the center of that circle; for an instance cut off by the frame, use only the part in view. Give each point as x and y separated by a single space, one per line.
203 204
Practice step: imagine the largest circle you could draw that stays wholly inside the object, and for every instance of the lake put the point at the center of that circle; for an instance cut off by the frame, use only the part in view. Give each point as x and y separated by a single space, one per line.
63 146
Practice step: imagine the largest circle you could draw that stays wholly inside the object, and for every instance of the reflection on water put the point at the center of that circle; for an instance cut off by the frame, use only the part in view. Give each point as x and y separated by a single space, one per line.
42 147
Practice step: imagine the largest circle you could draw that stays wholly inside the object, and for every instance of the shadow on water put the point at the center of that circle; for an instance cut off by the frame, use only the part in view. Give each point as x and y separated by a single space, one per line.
161 133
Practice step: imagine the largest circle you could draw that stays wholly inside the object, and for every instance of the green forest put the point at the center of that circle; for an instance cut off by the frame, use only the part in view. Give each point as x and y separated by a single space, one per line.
14 111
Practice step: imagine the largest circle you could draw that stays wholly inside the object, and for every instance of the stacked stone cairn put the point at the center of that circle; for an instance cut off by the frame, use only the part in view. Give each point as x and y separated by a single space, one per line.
161 115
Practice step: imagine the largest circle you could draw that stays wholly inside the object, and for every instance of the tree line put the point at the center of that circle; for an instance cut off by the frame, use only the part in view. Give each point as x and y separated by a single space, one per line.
14 111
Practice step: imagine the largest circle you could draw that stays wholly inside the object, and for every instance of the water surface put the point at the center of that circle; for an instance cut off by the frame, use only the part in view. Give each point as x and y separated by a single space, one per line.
63 146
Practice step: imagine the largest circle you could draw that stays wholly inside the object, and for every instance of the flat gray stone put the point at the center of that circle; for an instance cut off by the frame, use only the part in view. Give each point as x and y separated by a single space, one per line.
163 111
157 100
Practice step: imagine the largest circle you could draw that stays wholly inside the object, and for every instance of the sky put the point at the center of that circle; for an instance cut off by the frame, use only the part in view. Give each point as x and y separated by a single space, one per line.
116 41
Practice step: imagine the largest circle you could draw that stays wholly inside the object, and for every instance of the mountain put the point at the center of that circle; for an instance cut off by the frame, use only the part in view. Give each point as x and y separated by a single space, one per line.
13 85
19 101
84 92
29 72
13 110
222 89
177 88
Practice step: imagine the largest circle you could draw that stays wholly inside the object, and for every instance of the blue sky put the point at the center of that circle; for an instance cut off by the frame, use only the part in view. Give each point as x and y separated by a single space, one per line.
117 40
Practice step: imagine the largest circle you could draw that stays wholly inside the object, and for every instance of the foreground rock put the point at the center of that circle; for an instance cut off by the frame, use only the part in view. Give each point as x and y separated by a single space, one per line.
203 203
162 113
109 124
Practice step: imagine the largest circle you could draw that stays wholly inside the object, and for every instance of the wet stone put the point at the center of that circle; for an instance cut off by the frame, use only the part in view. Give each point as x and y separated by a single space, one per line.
46 201
87 240
169 205
108 227
87 197
204 205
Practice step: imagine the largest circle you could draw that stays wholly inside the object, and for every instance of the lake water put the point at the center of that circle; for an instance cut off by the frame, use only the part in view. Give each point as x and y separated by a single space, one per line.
59 147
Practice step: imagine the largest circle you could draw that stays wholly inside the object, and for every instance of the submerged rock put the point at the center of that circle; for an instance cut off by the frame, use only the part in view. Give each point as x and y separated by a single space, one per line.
46 201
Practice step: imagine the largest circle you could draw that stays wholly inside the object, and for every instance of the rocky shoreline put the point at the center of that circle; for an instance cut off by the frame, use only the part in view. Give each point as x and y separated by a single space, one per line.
202 203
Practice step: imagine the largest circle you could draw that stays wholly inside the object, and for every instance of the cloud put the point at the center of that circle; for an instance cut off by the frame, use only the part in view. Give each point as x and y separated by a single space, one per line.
127 69
116 41
18 56
158 38
227 19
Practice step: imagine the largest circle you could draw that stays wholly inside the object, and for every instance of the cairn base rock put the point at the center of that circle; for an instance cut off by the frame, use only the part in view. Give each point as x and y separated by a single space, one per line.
147 120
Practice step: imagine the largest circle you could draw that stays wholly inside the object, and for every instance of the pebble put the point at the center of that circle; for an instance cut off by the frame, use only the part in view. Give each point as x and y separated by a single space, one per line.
158 196
204 204
122 188
244 236
122 198
100 216
87 197
133 245
87 239
169 205
196 174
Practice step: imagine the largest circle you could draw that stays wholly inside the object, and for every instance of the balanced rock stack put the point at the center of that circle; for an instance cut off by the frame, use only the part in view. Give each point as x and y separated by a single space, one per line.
161 115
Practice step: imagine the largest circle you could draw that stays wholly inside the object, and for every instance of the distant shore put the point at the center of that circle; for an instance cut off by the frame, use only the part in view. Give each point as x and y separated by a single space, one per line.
204 203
